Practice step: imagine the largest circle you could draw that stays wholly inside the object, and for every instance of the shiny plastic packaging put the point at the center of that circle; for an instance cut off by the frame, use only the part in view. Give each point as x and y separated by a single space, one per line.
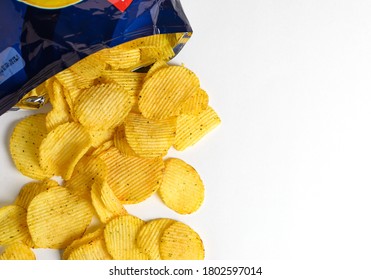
38 42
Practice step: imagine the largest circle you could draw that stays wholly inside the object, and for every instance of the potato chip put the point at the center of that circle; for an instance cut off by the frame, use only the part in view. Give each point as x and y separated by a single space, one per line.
150 138
120 57
102 148
197 103
120 234
149 237
150 54
24 146
85 239
103 107
60 113
180 242
98 137
121 143
162 100
94 250
105 202
87 171
13 225
32 189
182 188
159 64
18 251
72 80
56 217
62 148
191 129
90 67
132 179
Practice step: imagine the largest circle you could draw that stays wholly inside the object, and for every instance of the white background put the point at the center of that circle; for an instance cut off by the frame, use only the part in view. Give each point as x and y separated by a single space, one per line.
287 173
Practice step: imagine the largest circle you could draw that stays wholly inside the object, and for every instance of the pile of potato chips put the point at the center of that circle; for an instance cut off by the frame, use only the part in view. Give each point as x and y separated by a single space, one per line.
107 137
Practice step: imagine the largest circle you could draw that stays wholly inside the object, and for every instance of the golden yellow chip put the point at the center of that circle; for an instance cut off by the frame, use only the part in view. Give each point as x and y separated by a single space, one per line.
85 239
150 138
149 237
150 54
102 148
103 107
132 179
24 146
72 80
161 100
32 189
62 148
120 234
159 64
18 251
180 242
98 137
60 113
196 103
13 225
94 250
120 57
121 143
87 171
90 67
191 128
56 217
105 202
182 188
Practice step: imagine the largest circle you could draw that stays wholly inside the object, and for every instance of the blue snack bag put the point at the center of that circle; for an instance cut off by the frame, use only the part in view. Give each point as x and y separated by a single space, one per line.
39 41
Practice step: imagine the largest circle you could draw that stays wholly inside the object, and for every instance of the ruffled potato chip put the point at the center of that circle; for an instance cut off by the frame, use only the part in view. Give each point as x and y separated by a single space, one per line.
87 171
120 234
13 225
56 217
192 128
150 138
149 237
121 143
132 179
197 103
103 107
181 242
182 188
32 189
18 251
162 100
24 146
62 148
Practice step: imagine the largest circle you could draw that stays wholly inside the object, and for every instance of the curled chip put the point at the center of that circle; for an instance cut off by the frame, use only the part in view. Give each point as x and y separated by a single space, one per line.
192 128
87 171
102 107
121 143
105 202
13 225
18 251
50 221
89 247
162 100
85 239
182 188
62 148
120 234
24 146
32 189
132 179
150 138
149 237
197 103
181 242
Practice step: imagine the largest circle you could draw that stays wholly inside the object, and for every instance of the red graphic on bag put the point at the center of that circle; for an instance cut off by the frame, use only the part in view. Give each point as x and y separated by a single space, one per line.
122 5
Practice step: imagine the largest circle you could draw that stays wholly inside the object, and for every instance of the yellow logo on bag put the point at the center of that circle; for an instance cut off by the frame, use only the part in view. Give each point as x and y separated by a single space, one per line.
53 4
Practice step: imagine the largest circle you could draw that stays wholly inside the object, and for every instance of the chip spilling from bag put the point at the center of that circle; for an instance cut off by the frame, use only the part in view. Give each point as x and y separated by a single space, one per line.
105 143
